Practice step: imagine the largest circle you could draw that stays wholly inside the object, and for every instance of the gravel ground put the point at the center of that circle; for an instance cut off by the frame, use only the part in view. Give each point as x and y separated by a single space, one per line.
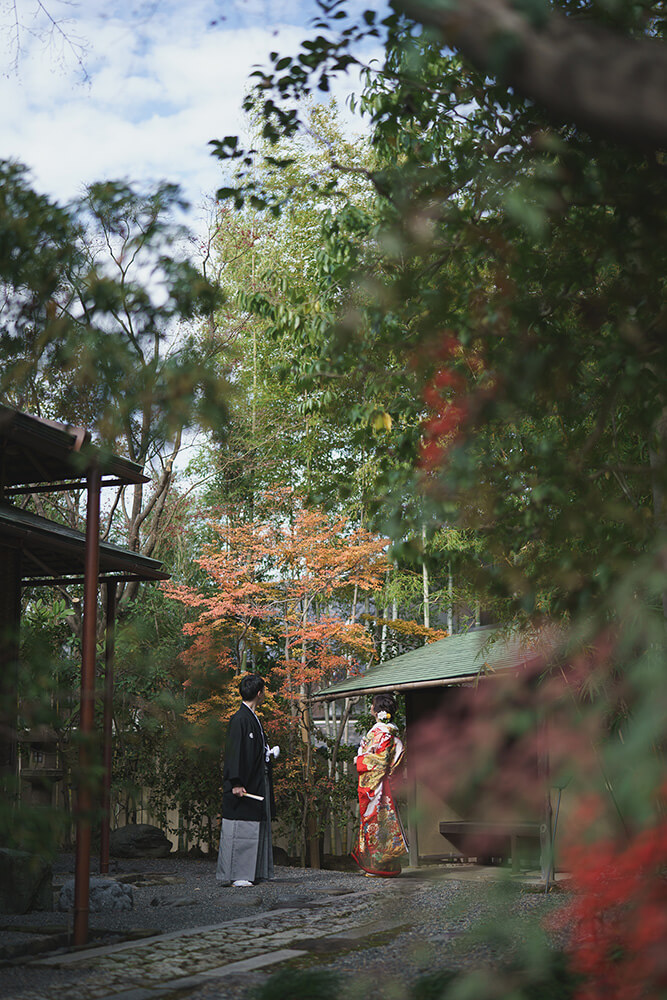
435 915
192 899
418 923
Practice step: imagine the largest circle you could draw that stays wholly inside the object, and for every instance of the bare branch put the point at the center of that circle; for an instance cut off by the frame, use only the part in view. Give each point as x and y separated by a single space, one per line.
57 28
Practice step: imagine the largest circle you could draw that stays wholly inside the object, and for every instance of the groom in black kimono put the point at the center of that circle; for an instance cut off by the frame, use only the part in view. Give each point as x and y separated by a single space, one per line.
245 855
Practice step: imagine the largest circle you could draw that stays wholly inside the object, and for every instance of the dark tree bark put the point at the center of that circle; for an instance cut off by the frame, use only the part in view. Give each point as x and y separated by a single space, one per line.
578 72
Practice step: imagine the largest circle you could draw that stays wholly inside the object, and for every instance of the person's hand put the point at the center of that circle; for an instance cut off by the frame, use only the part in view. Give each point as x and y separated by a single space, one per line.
239 790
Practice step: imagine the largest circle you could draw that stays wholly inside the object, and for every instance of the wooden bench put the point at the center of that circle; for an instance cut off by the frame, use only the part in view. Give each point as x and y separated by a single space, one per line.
490 840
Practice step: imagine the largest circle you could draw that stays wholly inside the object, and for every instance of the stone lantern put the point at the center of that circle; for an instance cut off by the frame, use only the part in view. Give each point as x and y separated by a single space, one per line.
41 766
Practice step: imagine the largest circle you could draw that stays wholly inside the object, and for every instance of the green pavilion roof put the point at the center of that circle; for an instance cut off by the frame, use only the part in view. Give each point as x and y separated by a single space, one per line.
456 659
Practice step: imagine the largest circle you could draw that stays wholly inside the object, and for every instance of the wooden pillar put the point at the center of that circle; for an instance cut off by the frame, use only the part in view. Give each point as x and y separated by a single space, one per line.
107 752
87 712
546 819
413 832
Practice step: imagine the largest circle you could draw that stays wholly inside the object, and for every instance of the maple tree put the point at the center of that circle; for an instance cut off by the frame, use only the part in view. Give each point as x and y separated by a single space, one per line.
280 595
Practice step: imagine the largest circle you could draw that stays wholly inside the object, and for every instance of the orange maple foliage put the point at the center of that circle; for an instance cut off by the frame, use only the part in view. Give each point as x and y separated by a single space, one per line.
282 592
410 629
279 590
289 574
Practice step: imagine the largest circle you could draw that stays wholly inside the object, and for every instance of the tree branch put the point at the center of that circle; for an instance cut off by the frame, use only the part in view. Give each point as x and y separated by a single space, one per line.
578 73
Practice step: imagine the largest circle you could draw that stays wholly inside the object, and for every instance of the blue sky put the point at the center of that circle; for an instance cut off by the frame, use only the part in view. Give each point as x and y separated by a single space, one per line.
122 89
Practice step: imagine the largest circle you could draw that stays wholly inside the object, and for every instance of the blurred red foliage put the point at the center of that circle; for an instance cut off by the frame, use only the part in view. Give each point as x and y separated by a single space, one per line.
615 918
495 750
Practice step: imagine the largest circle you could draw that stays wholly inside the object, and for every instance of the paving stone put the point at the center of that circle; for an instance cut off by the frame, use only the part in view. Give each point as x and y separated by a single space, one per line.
176 957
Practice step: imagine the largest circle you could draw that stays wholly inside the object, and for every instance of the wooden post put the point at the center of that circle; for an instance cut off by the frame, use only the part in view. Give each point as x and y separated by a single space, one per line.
107 753
87 712
330 729
543 770
413 831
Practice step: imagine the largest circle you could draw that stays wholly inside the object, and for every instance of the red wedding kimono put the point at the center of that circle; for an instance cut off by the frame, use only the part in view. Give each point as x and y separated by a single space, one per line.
381 837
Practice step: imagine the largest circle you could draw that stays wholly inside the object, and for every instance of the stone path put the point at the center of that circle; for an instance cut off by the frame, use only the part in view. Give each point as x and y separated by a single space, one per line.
188 959
378 935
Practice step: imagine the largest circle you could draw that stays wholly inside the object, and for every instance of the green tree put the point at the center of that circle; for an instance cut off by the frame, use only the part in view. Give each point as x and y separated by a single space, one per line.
100 306
514 238
273 267
93 292
522 294
339 422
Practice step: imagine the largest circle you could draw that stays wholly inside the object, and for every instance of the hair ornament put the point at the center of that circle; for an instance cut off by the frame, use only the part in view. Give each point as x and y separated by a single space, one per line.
384 716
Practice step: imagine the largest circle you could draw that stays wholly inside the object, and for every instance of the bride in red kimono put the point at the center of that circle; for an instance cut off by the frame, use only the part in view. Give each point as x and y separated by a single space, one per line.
381 837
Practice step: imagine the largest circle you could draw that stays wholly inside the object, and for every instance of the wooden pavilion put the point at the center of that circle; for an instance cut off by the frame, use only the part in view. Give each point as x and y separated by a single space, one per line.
428 678
40 456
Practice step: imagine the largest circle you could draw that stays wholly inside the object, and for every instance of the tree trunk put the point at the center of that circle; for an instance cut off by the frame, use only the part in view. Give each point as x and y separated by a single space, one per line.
578 72
658 460
355 597
383 638
290 686
309 820
450 606
427 612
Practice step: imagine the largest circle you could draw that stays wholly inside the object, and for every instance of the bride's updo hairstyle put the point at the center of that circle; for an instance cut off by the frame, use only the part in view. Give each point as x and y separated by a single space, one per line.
385 703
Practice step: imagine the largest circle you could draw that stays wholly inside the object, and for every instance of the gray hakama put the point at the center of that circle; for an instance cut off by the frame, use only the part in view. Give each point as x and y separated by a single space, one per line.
245 847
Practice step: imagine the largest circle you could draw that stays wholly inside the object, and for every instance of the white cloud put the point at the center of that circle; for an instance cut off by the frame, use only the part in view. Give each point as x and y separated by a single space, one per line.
159 88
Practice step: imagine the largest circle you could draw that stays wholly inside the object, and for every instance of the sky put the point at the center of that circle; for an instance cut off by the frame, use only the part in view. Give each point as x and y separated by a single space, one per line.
117 89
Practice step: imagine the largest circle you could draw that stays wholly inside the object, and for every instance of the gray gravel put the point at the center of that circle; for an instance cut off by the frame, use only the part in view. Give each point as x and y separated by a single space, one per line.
194 899
432 907
436 915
